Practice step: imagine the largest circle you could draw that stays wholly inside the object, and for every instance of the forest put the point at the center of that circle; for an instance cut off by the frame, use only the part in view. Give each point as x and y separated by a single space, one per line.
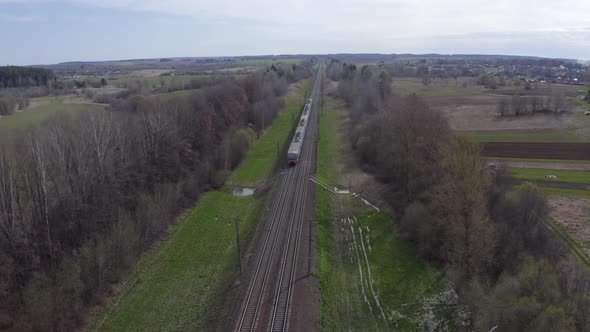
20 77
491 240
81 198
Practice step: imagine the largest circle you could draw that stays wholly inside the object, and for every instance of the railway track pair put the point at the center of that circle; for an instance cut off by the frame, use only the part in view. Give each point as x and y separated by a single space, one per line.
277 261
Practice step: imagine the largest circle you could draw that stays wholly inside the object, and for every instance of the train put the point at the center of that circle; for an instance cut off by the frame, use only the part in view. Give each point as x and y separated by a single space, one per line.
297 142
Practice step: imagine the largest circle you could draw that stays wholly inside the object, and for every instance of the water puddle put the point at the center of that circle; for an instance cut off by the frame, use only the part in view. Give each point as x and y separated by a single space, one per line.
243 192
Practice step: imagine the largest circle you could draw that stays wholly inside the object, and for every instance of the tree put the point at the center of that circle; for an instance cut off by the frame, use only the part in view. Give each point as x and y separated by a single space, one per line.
502 107
7 105
459 204
409 135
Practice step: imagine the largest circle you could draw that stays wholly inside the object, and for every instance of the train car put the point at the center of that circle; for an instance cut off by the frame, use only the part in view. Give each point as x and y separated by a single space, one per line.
297 142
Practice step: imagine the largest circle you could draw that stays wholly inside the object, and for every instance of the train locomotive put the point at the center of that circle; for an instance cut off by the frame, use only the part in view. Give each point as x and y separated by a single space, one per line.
297 142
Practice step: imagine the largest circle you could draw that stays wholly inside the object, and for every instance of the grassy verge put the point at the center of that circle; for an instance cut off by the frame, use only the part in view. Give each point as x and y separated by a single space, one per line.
538 174
575 245
175 285
397 289
37 115
262 159
525 135
329 155
537 160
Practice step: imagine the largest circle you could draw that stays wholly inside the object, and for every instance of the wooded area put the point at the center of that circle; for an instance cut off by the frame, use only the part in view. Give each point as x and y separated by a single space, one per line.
493 241
81 198
20 77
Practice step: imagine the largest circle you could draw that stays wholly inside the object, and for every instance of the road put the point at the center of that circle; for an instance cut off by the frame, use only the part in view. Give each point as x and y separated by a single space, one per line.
266 302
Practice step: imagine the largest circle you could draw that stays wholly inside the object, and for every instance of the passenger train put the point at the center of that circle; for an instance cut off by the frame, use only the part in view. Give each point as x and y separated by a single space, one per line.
297 141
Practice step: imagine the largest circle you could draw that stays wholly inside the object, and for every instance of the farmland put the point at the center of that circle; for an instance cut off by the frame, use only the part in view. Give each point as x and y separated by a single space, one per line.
535 150
551 150
526 135
38 115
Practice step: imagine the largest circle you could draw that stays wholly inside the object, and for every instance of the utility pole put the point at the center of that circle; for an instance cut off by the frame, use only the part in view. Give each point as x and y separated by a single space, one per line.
238 242
309 254
278 153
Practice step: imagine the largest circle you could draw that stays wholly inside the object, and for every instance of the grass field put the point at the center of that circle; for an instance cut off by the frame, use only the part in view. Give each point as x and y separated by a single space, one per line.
566 192
262 158
171 95
395 281
447 87
180 285
266 62
526 135
538 174
37 115
54 99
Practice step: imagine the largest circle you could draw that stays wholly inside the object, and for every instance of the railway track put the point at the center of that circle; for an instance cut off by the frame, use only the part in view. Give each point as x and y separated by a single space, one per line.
269 294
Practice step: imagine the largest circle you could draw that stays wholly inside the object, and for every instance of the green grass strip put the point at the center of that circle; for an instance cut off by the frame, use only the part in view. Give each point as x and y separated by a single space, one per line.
538 174
262 158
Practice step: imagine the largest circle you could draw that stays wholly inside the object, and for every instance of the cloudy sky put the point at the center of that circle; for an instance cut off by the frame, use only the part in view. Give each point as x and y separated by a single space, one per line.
50 31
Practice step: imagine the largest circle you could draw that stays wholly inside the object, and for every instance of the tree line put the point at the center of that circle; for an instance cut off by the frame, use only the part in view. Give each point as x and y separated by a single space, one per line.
518 105
82 197
18 77
492 241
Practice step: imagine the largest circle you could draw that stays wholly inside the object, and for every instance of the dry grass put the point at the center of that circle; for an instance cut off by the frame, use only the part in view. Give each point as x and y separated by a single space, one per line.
574 215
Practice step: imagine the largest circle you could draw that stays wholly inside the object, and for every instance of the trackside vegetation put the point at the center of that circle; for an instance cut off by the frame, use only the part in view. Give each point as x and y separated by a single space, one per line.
178 285
492 240
86 195
188 281
370 278
261 161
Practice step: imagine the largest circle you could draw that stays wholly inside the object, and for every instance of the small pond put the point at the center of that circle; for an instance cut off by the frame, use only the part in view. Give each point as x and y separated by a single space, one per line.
243 192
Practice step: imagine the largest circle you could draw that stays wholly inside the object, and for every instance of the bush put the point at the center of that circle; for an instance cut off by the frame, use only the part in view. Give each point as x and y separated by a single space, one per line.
7 105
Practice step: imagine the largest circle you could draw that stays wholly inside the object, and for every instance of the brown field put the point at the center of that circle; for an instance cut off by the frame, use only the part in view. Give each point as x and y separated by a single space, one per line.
542 165
480 113
567 151
573 214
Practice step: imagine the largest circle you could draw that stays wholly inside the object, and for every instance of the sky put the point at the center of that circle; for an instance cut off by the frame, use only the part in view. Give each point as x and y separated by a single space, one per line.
52 31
